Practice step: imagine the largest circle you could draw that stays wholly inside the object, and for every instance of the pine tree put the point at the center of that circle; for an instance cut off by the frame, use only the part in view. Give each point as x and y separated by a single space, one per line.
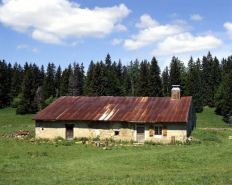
48 88
165 81
16 81
227 97
58 80
155 82
133 73
3 84
96 88
89 78
76 81
65 80
126 82
143 82
193 85
28 104
211 79
175 74
108 61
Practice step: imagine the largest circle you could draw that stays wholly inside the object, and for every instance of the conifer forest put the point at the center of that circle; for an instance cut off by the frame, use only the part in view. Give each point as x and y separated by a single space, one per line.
30 88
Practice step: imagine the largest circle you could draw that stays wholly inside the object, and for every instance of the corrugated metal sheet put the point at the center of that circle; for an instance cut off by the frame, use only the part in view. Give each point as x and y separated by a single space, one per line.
107 108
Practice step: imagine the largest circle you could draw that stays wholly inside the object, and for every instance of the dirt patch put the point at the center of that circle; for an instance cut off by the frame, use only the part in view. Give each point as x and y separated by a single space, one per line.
20 133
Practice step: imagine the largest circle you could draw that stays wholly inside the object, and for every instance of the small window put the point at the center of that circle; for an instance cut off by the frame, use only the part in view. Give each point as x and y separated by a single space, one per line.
116 133
158 130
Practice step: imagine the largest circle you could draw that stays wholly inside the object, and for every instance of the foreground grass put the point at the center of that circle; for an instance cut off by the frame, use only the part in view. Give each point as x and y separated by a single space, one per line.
10 122
207 161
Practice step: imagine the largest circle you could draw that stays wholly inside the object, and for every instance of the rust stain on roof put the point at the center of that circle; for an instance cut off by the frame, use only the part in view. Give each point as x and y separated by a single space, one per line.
107 108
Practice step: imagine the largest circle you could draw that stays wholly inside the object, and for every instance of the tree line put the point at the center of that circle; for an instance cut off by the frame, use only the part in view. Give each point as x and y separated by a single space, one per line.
30 88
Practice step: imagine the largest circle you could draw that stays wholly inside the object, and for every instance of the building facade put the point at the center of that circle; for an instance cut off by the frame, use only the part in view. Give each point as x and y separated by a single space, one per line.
140 119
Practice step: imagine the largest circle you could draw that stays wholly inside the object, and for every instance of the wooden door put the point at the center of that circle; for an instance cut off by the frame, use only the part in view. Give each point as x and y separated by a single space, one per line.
69 132
140 134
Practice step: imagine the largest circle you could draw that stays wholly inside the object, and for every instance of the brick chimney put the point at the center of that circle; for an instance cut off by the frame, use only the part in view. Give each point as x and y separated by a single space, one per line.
175 94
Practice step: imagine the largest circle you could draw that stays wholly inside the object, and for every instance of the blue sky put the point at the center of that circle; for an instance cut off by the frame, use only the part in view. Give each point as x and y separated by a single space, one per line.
64 31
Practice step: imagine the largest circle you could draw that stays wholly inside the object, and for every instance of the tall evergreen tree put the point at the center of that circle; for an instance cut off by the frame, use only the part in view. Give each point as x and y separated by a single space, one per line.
65 80
155 82
89 77
76 81
48 88
133 73
227 97
143 81
165 81
175 74
96 83
3 84
28 104
16 81
193 85
58 80
126 82
108 61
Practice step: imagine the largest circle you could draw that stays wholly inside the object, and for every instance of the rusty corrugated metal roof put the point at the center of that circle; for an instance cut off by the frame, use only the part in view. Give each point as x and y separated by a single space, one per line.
108 108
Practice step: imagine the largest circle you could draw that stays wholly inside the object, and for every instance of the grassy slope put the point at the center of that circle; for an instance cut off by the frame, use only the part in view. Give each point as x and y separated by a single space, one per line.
211 120
41 162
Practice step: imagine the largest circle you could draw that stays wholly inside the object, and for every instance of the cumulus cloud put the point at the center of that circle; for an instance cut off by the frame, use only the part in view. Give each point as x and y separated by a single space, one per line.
116 41
57 20
186 43
152 33
228 26
146 21
196 17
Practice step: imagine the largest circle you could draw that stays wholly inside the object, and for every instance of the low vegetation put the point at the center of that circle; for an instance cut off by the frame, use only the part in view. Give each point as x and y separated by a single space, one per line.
205 160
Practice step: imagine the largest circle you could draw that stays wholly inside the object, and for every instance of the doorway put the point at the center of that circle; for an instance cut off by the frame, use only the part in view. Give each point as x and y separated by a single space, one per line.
69 131
140 133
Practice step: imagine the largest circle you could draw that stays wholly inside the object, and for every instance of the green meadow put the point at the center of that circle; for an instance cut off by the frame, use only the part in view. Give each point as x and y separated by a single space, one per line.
207 160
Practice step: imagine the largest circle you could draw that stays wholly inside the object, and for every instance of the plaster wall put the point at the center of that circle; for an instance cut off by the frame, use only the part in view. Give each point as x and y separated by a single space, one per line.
127 131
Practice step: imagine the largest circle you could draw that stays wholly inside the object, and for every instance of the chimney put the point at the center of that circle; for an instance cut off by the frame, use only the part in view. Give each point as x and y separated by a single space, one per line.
175 94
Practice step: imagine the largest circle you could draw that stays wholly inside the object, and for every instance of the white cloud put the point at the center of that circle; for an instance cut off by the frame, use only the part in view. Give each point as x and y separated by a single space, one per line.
57 20
186 43
151 34
196 17
120 27
116 41
28 48
146 21
46 37
22 46
228 26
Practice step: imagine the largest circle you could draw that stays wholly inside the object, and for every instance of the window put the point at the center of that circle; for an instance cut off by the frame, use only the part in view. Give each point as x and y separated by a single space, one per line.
158 130
116 133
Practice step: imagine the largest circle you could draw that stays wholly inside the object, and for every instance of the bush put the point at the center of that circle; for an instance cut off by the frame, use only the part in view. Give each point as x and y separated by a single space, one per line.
96 138
16 101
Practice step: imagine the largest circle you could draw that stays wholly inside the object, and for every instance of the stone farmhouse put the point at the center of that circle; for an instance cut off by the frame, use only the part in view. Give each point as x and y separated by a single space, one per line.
155 119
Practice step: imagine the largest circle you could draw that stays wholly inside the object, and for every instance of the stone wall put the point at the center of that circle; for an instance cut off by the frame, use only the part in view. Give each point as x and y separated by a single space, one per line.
116 131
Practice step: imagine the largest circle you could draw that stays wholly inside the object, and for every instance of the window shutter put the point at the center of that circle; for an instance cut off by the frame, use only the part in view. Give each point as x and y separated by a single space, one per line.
151 131
164 130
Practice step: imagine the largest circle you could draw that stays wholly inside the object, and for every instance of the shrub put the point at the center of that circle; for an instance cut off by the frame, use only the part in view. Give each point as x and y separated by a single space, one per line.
96 138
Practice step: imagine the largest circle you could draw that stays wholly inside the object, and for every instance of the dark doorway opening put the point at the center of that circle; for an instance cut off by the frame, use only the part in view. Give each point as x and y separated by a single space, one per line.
69 131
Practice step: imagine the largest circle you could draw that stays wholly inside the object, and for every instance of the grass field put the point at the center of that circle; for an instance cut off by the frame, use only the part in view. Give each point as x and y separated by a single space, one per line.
207 161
